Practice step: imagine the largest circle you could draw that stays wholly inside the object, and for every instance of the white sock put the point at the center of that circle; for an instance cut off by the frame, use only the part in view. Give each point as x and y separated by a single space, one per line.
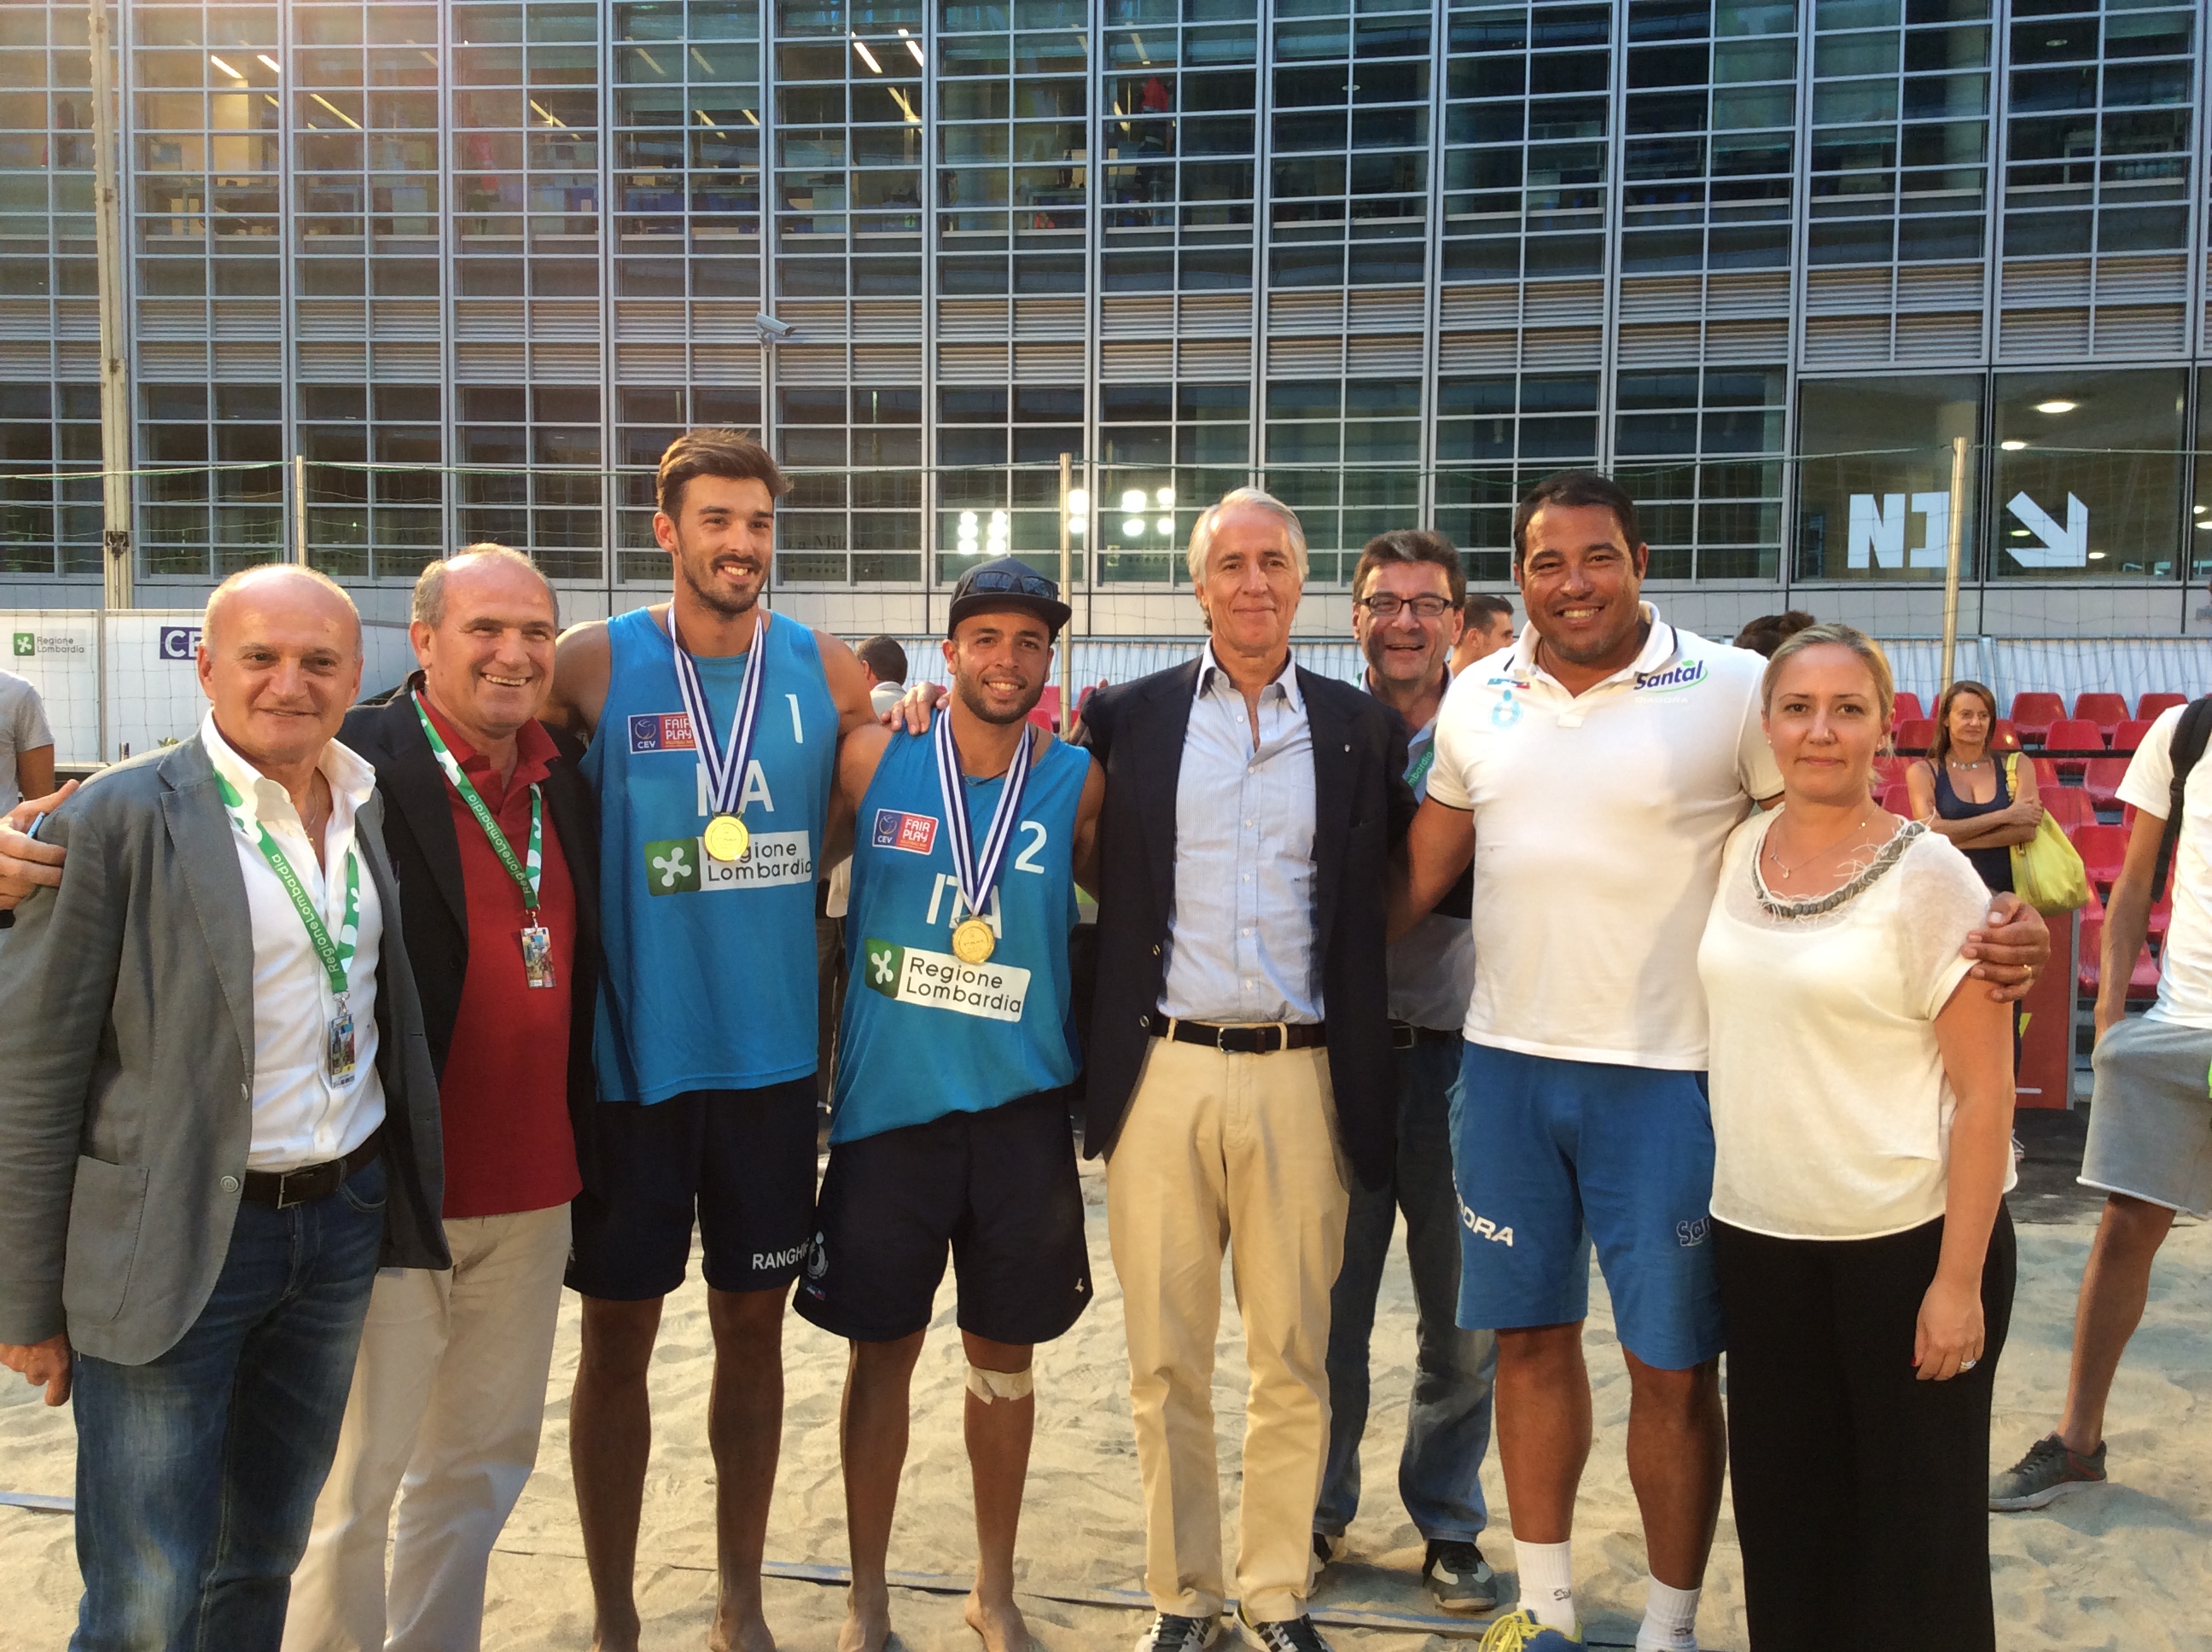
1670 1619
1547 1582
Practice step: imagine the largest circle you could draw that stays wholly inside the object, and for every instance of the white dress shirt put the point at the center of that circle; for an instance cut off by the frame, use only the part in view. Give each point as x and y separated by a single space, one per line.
1241 937
300 1115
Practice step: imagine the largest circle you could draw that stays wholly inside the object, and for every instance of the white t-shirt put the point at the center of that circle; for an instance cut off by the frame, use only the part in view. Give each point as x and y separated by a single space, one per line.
22 728
1832 1115
1599 820
2185 968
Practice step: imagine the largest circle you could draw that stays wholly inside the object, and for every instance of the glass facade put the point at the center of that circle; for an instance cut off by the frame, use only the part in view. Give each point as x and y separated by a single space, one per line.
473 262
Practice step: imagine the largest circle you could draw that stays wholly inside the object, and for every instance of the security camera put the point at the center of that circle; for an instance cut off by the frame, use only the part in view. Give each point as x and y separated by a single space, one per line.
772 328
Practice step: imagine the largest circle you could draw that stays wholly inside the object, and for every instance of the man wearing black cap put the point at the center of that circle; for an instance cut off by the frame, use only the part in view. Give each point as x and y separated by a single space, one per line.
950 1120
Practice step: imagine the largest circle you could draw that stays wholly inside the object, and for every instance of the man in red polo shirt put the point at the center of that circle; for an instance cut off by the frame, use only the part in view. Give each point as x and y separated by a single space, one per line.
450 1386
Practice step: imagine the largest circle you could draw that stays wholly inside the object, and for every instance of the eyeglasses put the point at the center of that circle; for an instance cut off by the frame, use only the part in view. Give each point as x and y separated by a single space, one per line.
1386 606
1029 584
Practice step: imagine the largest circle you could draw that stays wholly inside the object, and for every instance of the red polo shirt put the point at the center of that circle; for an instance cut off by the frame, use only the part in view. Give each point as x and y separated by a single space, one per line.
509 1146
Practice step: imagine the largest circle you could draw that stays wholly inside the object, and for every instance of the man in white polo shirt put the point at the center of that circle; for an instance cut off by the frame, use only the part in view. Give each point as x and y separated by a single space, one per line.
1594 774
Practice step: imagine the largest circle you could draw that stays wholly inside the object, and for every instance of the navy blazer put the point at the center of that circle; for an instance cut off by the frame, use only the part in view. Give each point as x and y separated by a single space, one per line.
1362 808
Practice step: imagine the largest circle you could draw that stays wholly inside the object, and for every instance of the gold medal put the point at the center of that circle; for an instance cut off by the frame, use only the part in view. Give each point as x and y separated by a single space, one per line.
726 839
973 941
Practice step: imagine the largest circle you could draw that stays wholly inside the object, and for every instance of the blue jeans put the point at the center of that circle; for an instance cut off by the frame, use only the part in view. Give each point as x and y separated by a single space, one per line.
1448 1419
196 1472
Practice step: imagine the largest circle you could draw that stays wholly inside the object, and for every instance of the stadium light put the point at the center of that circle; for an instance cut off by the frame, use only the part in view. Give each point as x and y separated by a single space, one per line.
1133 526
1078 498
1166 525
2057 404
1166 496
1134 501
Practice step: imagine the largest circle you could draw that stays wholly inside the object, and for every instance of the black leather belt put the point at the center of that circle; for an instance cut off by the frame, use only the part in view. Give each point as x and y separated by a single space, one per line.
1404 1035
1263 1040
285 1189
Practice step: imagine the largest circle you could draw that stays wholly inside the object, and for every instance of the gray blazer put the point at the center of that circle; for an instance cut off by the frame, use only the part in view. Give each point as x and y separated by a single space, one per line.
126 1067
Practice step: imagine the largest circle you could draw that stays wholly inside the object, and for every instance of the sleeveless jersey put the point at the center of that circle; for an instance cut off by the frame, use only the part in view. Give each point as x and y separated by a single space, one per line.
925 1035
709 977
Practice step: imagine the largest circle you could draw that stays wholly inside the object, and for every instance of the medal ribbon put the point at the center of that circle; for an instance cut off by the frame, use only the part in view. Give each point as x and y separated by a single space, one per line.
334 955
978 875
725 768
527 880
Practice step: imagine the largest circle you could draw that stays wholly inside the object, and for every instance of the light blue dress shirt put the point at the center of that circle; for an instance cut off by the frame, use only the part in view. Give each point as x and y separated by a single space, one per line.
1241 937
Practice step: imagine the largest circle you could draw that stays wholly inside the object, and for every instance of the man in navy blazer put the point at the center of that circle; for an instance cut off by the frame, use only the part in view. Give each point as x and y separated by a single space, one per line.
1239 1058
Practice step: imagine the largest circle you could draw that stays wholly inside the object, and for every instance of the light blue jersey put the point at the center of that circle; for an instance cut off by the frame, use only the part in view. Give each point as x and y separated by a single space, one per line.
708 980
924 1034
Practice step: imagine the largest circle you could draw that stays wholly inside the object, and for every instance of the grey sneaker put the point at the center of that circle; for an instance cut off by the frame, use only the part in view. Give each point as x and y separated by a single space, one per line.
1169 1633
2046 1472
1458 1577
1284 1634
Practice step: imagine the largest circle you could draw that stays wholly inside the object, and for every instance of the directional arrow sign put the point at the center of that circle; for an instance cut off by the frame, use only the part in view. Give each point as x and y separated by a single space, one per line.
2066 547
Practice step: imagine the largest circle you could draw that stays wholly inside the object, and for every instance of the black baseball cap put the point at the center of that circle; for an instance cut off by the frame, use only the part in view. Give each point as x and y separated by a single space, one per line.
1005 582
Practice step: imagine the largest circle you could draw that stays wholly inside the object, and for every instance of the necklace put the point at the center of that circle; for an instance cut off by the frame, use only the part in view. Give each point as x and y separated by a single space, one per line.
1788 870
1960 762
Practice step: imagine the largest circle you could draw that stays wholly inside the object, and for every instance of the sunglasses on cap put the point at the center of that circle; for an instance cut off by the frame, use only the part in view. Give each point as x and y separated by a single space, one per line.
1027 585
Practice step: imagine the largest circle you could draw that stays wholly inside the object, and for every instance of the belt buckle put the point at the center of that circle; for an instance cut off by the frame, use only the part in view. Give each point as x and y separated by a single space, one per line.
285 1200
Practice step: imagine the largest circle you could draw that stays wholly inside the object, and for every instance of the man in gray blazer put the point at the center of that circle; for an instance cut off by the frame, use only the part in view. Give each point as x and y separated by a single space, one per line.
217 1115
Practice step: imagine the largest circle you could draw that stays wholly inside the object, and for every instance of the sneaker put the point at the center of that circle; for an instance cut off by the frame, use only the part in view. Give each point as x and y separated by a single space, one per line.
1458 1575
1519 1631
2047 1470
1169 1633
1328 1550
1284 1634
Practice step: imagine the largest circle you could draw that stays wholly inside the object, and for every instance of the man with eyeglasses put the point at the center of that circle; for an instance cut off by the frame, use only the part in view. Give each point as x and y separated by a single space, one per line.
1407 595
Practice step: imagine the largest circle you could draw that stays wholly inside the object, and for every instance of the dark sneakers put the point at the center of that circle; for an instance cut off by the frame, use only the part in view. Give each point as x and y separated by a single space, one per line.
2044 1472
1458 1577
1327 1552
1284 1634
1169 1633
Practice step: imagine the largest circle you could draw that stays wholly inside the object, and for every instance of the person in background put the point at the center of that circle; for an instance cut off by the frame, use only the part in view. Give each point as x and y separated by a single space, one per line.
26 743
449 1390
2150 1119
217 1116
1768 632
884 662
1486 627
1405 614
1961 790
1861 1108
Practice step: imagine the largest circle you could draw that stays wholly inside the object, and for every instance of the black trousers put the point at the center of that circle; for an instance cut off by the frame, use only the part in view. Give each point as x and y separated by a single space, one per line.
1861 1493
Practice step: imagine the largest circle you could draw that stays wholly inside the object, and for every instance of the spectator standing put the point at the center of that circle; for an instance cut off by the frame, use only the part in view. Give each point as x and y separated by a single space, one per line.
1763 635
1405 614
1601 767
1962 789
217 1114
713 731
1486 627
449 1389
884 662
1239 1055
2150 1121
1861 1108
27 743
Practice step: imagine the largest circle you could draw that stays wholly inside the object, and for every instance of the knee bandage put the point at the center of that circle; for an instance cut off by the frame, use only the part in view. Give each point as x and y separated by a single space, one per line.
988 1386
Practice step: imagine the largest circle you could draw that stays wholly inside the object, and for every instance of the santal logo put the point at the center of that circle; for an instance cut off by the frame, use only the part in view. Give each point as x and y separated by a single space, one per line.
1688 674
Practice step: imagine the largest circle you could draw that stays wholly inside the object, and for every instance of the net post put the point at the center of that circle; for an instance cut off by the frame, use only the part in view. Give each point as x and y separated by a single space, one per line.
1958 534
118 568
1067 591
299 509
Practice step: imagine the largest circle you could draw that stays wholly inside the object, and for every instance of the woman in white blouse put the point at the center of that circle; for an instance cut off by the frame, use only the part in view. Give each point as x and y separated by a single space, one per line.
1862 1098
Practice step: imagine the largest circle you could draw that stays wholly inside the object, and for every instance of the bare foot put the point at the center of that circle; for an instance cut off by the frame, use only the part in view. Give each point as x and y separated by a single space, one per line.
609 1635
739 1628
1000 1622
867 1625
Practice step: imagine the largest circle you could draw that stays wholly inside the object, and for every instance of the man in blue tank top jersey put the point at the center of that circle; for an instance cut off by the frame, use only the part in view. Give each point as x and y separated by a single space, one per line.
712 734
950 1126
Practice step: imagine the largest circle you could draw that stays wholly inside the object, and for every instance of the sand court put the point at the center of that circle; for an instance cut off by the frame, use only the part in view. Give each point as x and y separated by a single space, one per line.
2127 1565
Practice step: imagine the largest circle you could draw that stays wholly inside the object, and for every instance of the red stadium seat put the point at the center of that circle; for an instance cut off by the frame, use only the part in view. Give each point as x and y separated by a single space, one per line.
2069 805
2150 705
2046 774
1045 713
1897 799
1913 738
2033 714
2073 734
2141 984
2003 737
2103 849
2130 734
1889 772
2102 782
1907 707
2107 711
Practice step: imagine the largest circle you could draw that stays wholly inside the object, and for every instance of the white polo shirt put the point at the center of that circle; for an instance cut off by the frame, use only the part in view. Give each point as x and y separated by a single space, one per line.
2184 974
1599 824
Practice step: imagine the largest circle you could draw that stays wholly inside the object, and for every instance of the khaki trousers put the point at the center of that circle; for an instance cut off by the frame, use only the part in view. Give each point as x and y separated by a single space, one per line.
1236 1151
448 1392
